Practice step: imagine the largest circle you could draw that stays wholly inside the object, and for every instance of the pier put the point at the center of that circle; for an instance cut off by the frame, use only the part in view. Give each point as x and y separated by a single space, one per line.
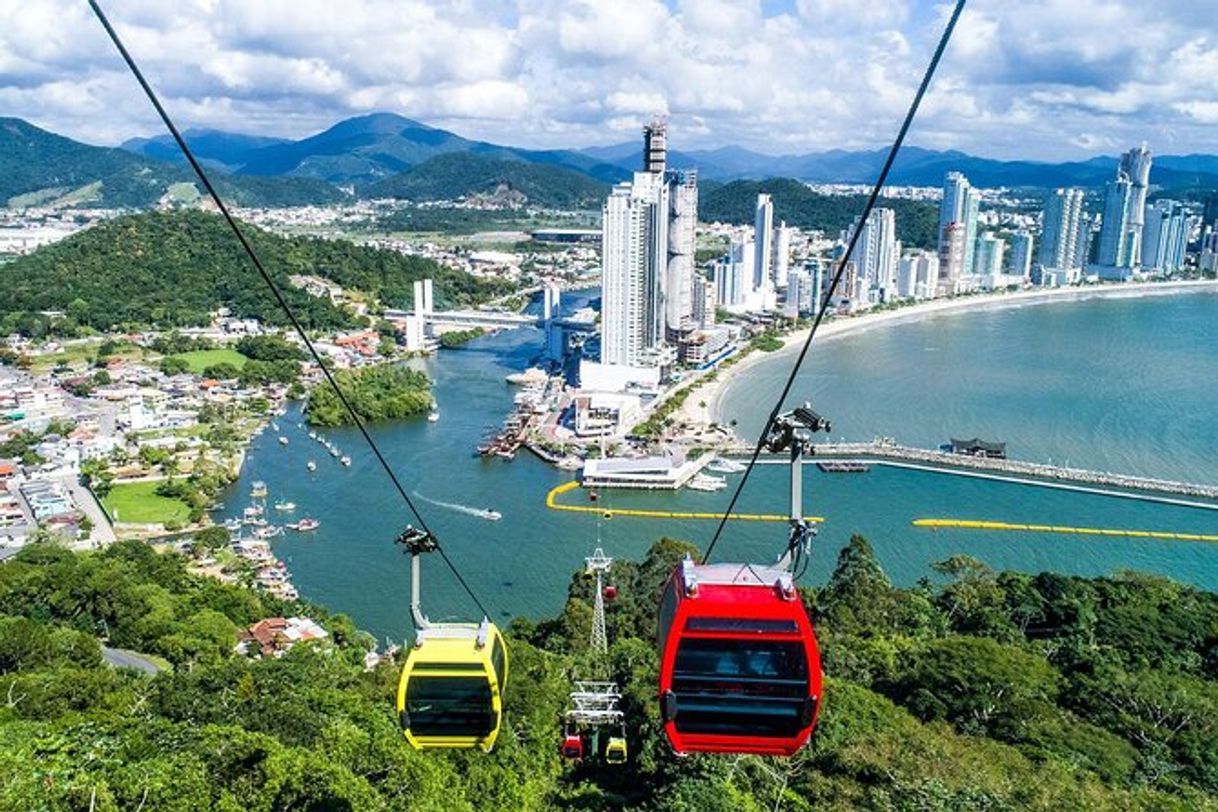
608 513
906 456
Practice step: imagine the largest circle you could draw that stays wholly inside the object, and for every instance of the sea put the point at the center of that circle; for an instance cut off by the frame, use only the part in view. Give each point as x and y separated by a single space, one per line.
1127 385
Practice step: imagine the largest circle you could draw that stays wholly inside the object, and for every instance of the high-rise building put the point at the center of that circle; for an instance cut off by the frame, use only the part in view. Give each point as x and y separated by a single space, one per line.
798 291
648 242
734 275
918 275
781 259
763 236
990 253
1124 211
705 302
961 205
951 259
1021 254
876 254
682 247
1164 236
1059 249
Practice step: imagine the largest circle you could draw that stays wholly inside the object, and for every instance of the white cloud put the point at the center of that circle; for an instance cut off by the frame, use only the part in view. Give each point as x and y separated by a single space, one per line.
1037 78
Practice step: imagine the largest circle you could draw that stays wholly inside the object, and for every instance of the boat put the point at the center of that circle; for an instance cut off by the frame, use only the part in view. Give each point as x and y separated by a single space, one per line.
258 489
531 375
285 506
305 525
843 467
252 512
722 465
702 482
312 435
334 452
312 466
433 416
270 531
345 460
232 525
491 515
283 440
274 427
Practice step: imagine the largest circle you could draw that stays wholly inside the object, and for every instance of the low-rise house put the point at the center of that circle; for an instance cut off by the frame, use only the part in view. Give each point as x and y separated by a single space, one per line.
274 636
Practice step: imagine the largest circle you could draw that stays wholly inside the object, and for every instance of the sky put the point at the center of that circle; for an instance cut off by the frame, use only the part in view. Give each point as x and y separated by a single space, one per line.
1031 79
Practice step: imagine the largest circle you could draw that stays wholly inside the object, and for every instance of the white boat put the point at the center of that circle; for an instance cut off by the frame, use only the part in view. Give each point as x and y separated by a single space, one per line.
702 482
252 512
232 525
334 452
345 460
274 427
531 375
312 435
433 416
490 515
258 489
305 525
722 465
312 466
270 531
285 506
283 440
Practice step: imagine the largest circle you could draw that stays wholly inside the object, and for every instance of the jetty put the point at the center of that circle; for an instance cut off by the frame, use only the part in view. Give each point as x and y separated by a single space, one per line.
946 461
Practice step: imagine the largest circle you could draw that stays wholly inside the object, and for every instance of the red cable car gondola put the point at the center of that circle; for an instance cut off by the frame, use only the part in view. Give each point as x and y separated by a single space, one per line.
740 669
573 746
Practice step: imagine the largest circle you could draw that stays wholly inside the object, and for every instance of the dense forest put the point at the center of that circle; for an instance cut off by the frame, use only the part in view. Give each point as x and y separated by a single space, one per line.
382 392
736 202
171 269
455 175
974 690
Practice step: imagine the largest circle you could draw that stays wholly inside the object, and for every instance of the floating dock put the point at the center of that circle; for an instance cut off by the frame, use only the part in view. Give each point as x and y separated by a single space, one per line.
609 513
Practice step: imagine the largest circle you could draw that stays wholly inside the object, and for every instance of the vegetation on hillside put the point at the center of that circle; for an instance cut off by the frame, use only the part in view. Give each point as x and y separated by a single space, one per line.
173 269
40 167
736 202
978 691
455 338
457 175
382 392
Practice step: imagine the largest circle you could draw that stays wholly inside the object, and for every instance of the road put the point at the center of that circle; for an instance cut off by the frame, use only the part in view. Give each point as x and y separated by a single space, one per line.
119 658
103 532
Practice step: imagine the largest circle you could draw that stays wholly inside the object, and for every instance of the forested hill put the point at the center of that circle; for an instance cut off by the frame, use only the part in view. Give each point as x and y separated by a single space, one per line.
455 175
982 691
172 269
736 202
39 167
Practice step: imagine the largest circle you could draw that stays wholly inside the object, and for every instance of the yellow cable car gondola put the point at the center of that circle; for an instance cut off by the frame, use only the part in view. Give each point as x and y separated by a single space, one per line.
450 694
615 750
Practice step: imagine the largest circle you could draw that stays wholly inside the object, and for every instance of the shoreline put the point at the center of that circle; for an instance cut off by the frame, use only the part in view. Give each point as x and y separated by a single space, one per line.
712 393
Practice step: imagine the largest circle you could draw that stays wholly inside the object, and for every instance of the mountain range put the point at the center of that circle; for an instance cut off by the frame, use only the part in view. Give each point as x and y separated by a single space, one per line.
387 155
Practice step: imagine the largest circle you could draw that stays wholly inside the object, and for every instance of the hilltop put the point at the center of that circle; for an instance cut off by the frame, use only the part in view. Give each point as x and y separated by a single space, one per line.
171 269
454 175
983 691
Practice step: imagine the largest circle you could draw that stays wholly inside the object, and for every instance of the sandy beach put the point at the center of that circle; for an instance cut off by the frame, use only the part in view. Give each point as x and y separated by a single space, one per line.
711 393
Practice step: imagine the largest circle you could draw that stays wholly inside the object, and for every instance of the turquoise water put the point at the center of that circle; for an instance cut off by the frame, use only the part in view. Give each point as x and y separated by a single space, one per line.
1125 385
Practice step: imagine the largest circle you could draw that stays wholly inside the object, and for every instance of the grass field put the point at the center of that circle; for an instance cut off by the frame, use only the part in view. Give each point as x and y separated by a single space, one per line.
200 360
138 502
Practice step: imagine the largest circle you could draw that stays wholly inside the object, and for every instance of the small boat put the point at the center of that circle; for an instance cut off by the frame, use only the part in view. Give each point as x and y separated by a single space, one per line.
258 489
491 515
285 506
722 465
232 525
274 427
345 460
433 416
283 440
270 531
312 435
305 525
312 466
701 482
334 452
252 512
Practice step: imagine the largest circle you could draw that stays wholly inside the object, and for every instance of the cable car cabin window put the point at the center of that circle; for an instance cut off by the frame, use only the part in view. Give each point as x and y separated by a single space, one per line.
740 687
449 706
497 661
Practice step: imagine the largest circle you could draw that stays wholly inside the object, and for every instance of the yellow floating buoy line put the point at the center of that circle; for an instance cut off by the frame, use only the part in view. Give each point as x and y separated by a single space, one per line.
609 513
973 524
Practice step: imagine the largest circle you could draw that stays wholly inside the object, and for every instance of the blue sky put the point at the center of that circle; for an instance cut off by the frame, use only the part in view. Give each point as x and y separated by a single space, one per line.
1039 79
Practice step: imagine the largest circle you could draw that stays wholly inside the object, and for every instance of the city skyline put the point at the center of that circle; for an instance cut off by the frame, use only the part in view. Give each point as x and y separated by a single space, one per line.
1046 81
